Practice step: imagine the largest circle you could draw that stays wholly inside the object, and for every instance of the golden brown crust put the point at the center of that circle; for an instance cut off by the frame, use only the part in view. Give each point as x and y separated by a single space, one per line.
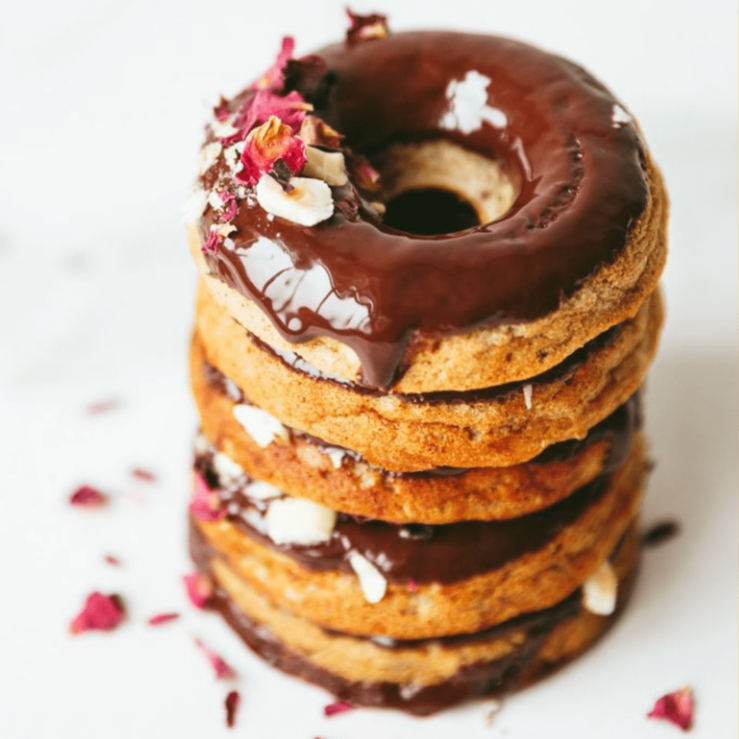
298 466
357 660
397 434
486 357
532 582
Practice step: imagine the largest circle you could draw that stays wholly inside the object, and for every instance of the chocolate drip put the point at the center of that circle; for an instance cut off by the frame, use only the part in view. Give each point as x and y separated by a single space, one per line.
581 181
474 681
446 553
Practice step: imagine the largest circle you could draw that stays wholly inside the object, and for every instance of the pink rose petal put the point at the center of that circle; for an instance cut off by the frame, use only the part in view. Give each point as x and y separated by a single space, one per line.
232 704
677 708
88 497
267 144
111 560
412 586
291 109
205 504
221 668
221 111
333 709
366 27
272 79
100 613
162 618
199 589
229 205
143 475
213 242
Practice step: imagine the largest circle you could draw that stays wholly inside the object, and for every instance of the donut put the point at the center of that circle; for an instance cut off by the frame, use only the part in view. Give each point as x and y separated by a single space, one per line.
578 251
428 299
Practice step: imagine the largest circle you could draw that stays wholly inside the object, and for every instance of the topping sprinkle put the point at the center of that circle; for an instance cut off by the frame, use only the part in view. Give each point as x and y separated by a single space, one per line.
205 504
100 613
298 521
273 78
373 584
222 669
600 591
162 618
337 707
232 704
199 589
88 497
677 708
309 201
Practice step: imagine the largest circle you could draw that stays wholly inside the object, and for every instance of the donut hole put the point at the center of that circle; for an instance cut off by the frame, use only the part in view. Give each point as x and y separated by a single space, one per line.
429 212
438 187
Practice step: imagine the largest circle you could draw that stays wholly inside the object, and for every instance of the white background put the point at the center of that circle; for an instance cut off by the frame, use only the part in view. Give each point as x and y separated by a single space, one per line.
101 113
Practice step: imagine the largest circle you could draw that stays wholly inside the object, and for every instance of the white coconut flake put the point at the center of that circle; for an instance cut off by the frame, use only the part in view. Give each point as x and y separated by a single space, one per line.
528 393
225 229
325 165
308 203
194 208
202 445
214 200
620 116
373 584
599 591
262 490
260 425
209 155
298 521
232 155
468 105
227 470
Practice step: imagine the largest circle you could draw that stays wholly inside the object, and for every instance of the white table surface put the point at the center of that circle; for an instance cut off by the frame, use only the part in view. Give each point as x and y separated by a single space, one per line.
101 114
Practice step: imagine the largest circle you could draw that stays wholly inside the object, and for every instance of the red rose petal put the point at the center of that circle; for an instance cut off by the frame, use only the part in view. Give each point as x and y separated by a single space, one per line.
213 242
232 704
162 618
221 668
88 497
229 205
677 708
205 504
412 586
333 709
112 561
143 475
267 144
199 589
272 79
366 27
291 109
100 613
221 111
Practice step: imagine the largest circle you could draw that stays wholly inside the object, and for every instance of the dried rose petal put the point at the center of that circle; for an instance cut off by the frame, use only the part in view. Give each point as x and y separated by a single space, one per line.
265 145
205 504
221 111
348 206
102 406
332 709
100 613
232 704
221 668
111 560
677 708
316 132
228 205
364 176
199 589
412 586
88 497
291 109
143 475
272 79
212 243
366 27
162 618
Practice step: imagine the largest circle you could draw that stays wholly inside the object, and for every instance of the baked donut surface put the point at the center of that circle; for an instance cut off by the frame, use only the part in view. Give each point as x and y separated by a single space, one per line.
577 250
405 432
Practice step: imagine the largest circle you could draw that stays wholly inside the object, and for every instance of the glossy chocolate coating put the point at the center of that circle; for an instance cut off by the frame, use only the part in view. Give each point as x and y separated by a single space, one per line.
482 679
581 182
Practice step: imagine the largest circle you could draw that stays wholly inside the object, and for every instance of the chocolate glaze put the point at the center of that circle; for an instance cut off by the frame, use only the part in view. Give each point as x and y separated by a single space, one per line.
416 553
581 181
617 429
475 681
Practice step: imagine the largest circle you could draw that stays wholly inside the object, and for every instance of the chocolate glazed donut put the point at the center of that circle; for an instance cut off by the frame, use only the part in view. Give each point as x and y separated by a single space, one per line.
576 161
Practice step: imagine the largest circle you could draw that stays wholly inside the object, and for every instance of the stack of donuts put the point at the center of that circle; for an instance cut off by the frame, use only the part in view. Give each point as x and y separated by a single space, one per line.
428 300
